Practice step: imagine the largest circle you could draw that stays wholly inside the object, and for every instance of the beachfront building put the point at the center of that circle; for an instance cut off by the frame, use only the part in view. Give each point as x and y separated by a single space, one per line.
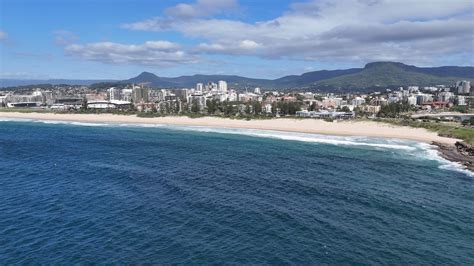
114 94
358 101
116 104
127 95
3 100
232 96
23 105
140 94
267 108
331 102
373 109
199 101
411 100
325 114
248 96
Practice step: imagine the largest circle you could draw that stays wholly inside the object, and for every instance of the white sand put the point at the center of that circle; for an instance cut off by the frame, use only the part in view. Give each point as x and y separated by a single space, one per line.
344 128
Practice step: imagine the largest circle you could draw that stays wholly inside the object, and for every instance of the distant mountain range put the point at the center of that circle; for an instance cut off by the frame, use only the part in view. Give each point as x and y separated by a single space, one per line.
27 82
373 75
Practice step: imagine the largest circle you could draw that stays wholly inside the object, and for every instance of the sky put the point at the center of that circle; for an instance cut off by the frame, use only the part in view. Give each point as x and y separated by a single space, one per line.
107 39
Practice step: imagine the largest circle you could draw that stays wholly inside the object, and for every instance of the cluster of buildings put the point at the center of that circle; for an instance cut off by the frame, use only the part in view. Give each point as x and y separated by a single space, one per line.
310 104
199 95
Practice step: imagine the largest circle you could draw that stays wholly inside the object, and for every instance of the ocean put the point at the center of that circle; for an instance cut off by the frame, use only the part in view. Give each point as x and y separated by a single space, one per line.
95 193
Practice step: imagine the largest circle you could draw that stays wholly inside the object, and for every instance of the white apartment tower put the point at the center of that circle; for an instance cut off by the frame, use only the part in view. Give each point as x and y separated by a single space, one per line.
222 86
199 87
114 94
463 86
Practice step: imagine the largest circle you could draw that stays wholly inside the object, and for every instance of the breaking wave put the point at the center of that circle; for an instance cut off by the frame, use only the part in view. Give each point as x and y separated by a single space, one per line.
416 149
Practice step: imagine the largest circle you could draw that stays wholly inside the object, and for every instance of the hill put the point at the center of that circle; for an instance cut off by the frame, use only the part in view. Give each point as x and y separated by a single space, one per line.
27 82
390 74
190 81
371 76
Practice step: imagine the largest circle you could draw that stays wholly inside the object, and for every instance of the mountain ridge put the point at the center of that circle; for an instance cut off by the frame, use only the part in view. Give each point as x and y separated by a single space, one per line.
375 74
372 75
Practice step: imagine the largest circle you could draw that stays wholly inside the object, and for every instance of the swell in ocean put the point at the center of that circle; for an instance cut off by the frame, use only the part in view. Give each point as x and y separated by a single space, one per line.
418 150
83 193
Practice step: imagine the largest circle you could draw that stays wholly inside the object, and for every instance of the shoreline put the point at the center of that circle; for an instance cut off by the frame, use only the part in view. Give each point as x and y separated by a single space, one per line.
459 152
446 147
312 126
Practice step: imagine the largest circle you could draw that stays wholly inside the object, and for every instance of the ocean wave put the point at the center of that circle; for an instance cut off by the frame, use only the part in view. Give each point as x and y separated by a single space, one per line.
75 123
416 149
306 137
430 152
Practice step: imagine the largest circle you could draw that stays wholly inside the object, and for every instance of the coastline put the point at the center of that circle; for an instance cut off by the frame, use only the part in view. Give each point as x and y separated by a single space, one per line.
459 152
446 147
340 128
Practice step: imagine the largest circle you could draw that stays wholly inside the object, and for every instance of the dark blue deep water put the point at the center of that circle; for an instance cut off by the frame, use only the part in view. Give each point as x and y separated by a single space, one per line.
110 194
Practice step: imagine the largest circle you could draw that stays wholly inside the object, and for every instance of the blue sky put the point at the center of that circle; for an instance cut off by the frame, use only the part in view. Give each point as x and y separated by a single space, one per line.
107 39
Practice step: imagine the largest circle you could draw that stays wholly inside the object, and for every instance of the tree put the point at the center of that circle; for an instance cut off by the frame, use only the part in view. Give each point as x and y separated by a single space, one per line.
274 108
248 109
194 107
293 107
459 108
84 104
468 122
257 107
393 110
318 97
345 109
211 106
313 107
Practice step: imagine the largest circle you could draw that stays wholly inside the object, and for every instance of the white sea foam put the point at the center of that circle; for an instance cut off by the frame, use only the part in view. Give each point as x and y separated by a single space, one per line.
141 125
416 149
16 120
304 137
430 152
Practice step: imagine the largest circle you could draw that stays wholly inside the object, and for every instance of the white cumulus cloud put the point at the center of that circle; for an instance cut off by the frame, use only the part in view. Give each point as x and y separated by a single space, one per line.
202 8
159 53
413 31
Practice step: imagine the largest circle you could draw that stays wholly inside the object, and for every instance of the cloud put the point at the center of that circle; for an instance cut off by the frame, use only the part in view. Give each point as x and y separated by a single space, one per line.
3 36
64 37
159 53
202 8
325 30
184 12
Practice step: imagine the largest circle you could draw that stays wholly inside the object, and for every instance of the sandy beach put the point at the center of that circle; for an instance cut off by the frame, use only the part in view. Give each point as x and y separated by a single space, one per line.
342 128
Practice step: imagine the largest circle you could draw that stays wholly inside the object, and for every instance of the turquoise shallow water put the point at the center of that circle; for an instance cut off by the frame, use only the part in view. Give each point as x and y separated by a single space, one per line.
75 193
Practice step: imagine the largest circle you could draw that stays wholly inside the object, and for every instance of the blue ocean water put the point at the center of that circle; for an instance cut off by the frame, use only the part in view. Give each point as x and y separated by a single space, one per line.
75 193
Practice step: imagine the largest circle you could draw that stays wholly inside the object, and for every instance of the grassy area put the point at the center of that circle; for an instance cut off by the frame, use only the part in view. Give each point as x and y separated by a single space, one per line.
444 129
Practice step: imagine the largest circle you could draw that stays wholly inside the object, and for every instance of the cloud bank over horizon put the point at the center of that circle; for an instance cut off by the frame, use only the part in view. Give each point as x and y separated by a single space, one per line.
230 36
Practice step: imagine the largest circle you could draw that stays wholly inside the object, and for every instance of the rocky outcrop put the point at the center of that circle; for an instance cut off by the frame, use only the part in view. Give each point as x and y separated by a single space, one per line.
459 152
